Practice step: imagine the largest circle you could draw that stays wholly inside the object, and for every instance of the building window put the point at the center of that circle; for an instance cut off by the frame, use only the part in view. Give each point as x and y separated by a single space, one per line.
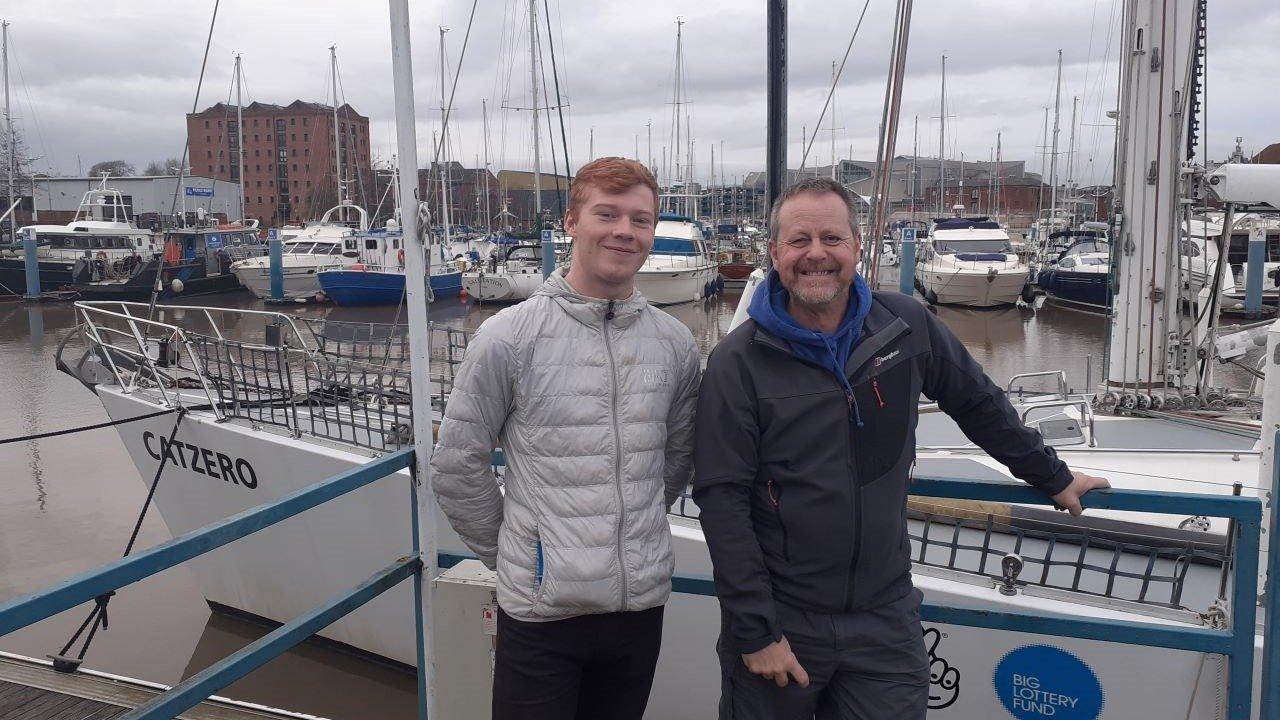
259 184
208 138
308 183
208 154
210 168
293 121
259 199
280 125
255 122
219 124
295 167
306 137
293 137
306 122
271 183
222 168
206 124
306 152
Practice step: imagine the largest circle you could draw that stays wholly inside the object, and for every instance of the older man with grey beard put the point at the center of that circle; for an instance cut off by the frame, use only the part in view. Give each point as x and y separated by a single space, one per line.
804 442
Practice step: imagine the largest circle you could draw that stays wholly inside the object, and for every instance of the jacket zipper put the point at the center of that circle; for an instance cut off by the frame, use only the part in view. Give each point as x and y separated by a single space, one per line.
875 385
617 454
775 497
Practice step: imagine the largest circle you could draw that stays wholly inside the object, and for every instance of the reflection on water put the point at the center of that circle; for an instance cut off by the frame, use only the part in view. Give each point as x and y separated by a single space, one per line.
67 504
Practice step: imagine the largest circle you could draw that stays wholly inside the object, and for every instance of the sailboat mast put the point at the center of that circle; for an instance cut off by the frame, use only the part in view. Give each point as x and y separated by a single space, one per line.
833 120
1053 157
337 143
484 117
1044 150
1071 156
11 140
441 153
419 339
995 205
915 163
533 85
240 135
675 148
942 143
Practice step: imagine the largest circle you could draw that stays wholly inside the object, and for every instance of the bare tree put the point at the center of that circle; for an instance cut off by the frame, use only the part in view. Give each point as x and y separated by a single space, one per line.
22 160
167 166
115 168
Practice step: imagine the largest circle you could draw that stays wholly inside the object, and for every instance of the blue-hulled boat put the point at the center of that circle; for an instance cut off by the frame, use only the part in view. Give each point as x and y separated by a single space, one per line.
378 278
1081 274
379 285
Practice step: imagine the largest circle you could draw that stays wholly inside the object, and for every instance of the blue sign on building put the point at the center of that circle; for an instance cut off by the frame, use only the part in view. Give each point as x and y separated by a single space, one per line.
1041 681
199 192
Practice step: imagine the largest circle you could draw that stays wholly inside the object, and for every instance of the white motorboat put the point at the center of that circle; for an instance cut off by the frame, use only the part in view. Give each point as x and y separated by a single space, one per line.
969 261
512 279
679 269
330 242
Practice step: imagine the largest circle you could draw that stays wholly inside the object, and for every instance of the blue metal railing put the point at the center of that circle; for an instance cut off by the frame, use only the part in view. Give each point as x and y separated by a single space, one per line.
28 609
1235 642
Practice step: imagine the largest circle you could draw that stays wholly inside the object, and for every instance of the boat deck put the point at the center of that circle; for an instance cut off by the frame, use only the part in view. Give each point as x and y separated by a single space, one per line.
32 690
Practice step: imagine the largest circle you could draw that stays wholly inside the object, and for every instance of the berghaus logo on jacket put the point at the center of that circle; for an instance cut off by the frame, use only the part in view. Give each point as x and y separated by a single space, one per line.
885 358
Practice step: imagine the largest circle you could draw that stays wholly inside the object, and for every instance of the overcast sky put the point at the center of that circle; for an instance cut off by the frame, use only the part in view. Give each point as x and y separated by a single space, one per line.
105 80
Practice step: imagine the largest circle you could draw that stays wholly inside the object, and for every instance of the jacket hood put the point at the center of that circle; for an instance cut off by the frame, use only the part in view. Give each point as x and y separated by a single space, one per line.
589 310
769 309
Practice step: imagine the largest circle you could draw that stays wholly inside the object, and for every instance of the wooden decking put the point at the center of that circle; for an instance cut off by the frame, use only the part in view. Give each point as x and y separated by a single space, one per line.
31 690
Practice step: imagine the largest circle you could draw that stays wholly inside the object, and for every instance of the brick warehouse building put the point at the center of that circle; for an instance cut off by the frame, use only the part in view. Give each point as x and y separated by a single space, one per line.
289 157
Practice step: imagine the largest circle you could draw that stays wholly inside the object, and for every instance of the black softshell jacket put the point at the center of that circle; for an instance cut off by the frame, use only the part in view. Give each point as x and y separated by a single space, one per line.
800 504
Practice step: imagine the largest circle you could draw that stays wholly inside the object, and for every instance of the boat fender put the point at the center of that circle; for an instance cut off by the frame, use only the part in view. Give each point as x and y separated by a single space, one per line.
400 256
357 266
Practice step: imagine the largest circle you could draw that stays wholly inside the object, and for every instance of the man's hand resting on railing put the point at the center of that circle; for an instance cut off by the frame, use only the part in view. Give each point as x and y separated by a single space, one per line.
1069 498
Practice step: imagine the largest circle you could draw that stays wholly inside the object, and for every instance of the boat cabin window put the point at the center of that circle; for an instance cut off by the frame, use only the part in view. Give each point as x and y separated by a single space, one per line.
350 244
1238 249
302 248
370 244
525 253
1067 263
944 245
1189 249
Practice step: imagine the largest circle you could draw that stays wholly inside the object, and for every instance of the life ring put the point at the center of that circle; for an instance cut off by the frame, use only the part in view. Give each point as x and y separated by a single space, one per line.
400 256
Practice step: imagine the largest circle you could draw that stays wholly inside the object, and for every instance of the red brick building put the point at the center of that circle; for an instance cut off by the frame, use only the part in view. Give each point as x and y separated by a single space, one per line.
289 157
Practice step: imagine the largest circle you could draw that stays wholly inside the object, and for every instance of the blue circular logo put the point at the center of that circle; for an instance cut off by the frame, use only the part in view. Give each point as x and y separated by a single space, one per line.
1040 681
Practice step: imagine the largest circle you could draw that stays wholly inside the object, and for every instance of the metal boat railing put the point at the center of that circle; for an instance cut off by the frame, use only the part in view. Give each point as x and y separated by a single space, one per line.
1232 636
85 587
347 382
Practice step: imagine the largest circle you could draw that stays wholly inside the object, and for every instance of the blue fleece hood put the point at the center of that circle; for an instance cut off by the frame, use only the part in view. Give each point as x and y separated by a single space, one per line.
829 350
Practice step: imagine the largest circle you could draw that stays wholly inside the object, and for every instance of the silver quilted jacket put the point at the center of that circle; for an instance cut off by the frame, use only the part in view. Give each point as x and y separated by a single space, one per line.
592 403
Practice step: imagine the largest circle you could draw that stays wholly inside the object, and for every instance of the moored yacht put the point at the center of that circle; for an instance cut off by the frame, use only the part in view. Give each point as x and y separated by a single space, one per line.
329 242
679 268
1081 274
101 242
969 261
507 279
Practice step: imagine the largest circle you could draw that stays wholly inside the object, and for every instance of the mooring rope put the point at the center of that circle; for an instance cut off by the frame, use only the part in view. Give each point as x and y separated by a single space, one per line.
98 615
98 426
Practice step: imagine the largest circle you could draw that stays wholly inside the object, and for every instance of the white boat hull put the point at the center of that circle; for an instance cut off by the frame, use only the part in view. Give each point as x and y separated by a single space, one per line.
974 289
501 287
670 286
288 569
300 282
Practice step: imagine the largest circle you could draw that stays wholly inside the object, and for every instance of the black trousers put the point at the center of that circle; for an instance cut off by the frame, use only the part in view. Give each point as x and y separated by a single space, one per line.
591 667
869 665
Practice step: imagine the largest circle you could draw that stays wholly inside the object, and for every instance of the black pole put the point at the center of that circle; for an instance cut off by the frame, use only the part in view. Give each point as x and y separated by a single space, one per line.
777 100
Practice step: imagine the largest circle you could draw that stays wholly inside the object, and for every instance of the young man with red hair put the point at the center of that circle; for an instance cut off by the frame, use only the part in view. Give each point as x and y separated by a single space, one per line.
590 392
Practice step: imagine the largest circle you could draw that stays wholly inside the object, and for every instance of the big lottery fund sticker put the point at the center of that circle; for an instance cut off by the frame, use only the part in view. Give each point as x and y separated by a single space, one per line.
1039 681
